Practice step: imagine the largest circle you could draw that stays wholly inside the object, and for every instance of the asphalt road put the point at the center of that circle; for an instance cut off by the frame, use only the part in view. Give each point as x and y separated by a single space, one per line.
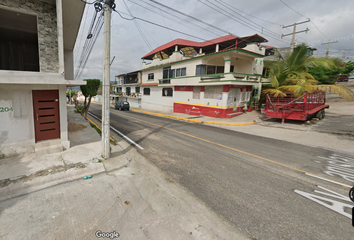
259 184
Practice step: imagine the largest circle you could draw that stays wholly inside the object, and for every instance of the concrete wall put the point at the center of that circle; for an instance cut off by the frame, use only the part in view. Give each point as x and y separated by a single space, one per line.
17 134
156 101
69 65
47 29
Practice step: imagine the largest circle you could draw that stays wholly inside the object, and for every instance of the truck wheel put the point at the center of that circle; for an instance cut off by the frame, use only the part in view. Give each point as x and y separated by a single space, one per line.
319 115
323 113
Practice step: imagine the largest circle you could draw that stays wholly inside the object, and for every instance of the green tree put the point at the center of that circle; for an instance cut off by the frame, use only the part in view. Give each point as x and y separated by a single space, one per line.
70 94
348 68
89 90
327 75
291 74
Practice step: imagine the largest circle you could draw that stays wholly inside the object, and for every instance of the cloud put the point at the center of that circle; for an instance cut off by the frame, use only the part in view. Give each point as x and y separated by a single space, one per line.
332 18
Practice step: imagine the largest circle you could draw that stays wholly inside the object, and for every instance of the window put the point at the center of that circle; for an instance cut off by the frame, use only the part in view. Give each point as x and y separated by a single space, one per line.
213 92
219 69
266 71
167 92
150 76
127 91
211 69
137 89
18 41
180 72
208 69
200 70
166 73
146 91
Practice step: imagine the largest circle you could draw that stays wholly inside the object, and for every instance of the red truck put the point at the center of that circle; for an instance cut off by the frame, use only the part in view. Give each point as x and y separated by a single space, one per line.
303 107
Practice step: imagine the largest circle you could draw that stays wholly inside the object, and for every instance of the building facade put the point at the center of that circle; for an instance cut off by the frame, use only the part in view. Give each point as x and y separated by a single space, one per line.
217 78
37 39
128 88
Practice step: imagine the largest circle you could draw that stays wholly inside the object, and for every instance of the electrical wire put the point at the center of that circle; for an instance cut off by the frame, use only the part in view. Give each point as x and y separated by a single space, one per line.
183 14
237 20
188 16
304 17
248 20
250 14
292 9
147 21
82 31
178 18
138 27
89 44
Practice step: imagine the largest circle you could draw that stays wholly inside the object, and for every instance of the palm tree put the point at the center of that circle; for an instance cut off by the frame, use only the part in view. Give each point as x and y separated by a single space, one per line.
291 75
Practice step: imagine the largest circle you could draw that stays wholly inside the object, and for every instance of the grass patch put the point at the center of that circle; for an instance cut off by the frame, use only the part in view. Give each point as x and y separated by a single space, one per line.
79 108
100 133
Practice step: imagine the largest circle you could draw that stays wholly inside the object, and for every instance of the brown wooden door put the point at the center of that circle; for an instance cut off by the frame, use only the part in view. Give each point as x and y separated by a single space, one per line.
46 114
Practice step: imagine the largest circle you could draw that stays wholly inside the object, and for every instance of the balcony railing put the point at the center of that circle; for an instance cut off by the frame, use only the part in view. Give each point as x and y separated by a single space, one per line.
164 81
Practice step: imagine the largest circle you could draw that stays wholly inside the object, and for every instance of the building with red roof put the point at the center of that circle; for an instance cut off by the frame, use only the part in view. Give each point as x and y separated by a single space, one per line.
216 78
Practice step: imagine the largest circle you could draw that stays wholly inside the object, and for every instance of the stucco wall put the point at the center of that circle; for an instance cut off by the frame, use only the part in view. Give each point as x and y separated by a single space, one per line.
17 125
156 102
47 30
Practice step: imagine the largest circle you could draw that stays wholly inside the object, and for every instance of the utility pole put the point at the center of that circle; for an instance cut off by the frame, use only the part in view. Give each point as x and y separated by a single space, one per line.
106 78
292 44
329 42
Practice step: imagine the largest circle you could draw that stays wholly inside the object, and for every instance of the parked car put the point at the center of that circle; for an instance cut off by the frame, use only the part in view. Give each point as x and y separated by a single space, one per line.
121 105
342 78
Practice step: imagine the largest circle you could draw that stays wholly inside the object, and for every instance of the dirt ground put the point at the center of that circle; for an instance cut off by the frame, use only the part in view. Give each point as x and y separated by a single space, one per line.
73 127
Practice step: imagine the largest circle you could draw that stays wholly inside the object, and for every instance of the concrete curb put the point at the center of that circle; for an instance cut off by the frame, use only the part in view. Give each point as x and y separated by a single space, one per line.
40 183
187 119
192 120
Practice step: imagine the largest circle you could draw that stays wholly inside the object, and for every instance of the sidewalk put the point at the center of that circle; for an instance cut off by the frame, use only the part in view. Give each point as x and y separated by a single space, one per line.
46 197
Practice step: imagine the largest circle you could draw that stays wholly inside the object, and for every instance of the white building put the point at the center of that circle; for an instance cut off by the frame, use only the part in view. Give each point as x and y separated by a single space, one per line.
216 78
37 39
128 88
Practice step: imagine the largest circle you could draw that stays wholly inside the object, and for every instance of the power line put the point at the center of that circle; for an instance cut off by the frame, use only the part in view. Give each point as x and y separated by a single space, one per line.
83 28
147 21
292 9
227 7
165 24
196 19
90 42
249 14
304 17
169 14
222 11
138 27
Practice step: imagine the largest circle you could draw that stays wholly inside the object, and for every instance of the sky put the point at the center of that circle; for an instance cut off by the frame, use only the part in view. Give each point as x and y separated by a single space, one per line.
330 21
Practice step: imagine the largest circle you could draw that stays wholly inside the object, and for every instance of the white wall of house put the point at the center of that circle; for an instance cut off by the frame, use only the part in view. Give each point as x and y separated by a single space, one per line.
17 133
155 101
247 68
17 125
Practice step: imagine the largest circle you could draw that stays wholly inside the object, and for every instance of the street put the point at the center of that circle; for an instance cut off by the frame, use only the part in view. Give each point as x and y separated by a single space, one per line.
268 188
